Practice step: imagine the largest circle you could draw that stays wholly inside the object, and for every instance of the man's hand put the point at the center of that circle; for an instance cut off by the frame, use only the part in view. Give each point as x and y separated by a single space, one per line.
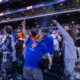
23 23
50 64
54 21
50 60
24 31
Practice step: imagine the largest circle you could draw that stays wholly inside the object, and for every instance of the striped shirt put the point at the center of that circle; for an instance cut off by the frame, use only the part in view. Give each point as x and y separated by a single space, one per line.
7 48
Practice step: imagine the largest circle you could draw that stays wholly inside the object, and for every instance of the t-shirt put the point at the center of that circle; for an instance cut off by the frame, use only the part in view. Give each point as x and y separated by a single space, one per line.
34 52
55 42
6 47
48 40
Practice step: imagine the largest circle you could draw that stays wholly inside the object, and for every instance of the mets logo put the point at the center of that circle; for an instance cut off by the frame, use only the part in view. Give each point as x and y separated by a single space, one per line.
34 44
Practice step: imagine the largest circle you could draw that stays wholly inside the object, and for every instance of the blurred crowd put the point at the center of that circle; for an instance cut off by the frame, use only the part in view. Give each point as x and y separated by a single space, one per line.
39 45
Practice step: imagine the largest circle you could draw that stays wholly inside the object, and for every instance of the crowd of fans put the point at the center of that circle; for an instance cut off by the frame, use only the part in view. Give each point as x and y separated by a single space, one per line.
38 46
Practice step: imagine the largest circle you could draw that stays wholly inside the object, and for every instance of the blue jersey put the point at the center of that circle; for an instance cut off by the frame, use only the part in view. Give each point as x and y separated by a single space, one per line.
34 52
48 40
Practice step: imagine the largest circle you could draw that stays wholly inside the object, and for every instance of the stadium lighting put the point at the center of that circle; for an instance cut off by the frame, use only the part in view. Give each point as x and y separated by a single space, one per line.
61 4
32 7
77 0
4 1
29 7
1 1
1 14
72 22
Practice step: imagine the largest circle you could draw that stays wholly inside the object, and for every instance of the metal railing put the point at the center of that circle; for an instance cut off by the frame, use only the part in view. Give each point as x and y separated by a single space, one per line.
41 15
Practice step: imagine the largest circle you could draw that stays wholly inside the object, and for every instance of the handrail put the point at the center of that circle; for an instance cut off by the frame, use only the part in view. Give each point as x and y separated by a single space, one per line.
30 7
40 15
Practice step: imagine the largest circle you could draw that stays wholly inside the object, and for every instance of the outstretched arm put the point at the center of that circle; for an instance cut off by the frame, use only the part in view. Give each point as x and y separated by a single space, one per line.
24 30
64 33
50 60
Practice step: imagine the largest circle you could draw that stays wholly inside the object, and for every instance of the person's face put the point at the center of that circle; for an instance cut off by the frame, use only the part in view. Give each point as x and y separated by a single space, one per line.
66 28
57 33
54 31
40 35
1 38
30 33
4 31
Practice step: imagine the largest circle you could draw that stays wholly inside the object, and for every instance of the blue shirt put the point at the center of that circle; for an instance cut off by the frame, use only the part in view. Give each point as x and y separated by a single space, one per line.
34 52
48 40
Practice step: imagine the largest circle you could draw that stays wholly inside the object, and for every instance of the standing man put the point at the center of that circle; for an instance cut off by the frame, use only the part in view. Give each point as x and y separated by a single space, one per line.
69 51
7 48
48 40
35 50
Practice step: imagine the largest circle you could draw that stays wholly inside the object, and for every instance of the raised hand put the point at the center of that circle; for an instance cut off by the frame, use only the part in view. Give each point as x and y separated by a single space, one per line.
23 23
54 21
